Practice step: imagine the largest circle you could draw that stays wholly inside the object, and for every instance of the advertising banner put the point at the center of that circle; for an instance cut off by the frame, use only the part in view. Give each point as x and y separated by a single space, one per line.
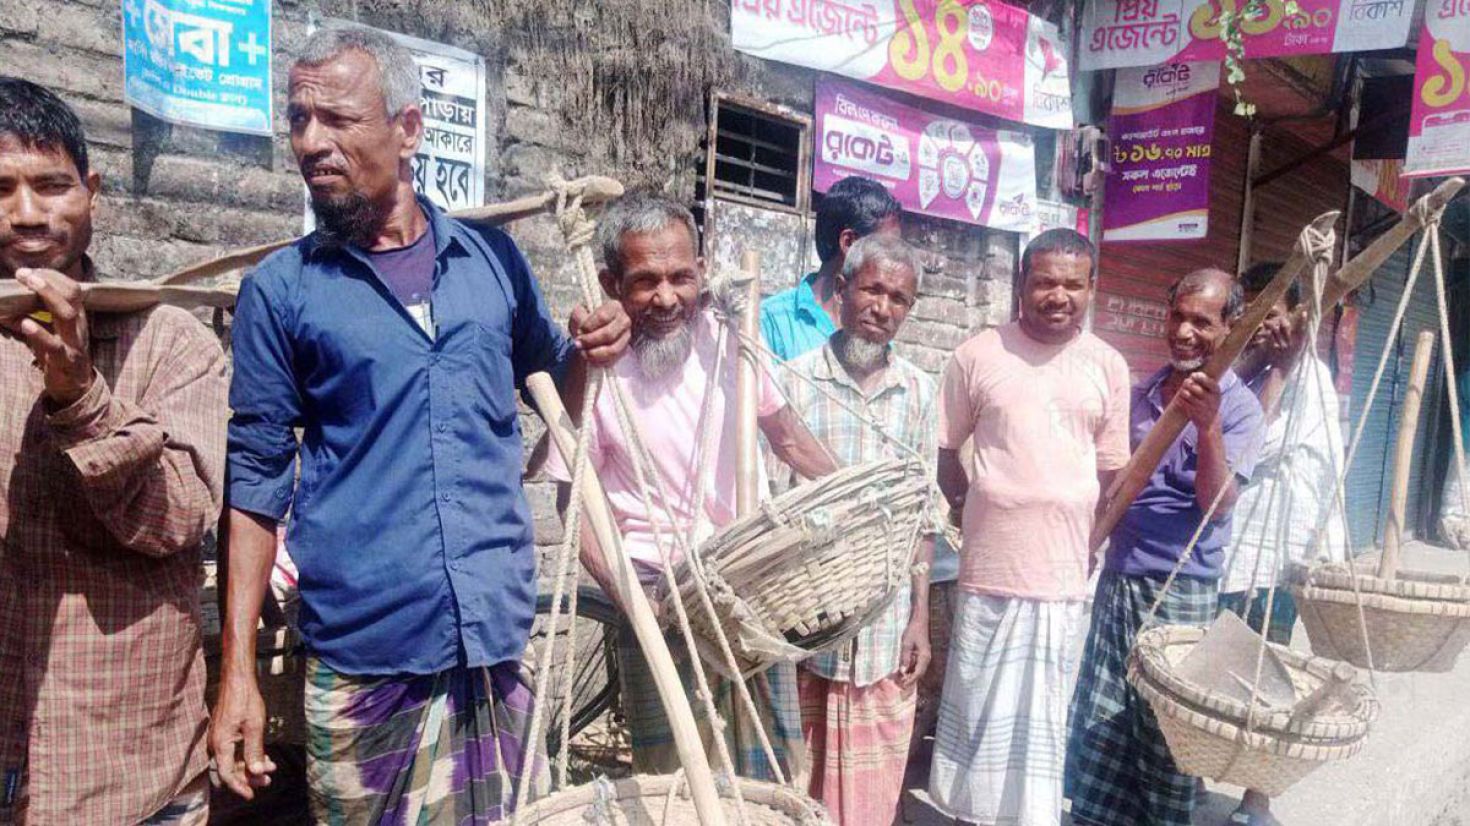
204 63
1161 127
1439 123
976 54
1121 33
932 163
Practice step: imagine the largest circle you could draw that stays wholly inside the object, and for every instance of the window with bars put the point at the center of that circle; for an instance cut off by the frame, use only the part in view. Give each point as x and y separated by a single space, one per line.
757 155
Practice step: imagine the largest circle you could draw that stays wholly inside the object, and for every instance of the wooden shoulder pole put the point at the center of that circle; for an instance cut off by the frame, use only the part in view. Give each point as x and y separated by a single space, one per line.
1403 457
640 613
747 392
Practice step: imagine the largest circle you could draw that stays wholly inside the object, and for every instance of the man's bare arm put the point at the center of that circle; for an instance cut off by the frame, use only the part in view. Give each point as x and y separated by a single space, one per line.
794 444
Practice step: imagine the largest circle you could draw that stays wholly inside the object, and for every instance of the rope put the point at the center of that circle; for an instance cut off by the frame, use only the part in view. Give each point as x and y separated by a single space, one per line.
1449 371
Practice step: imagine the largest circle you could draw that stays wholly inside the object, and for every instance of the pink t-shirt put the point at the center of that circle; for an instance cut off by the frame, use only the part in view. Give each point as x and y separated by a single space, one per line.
666 414
1045 419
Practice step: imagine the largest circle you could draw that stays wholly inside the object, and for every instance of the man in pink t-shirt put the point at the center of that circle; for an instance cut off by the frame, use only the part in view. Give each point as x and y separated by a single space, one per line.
676 378
1046 406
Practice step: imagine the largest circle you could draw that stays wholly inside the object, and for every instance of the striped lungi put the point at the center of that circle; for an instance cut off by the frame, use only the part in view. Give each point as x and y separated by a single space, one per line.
858 741
445 748
1001 741
1119 770
774 693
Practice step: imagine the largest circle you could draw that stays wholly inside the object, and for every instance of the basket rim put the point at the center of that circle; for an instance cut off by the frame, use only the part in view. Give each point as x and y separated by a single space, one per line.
1446 609
1148 653
1408 584
782 798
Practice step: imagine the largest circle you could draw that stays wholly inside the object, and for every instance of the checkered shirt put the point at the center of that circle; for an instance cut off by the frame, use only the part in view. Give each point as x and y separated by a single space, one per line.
103 506
904 404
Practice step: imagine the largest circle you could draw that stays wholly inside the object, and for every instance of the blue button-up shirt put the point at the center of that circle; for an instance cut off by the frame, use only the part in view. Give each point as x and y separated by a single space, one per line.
793 322
409 524
1155 530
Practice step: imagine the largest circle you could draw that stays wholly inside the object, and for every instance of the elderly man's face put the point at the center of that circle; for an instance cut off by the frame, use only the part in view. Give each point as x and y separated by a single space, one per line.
877 299
45 209
347 146
1196 325
658 285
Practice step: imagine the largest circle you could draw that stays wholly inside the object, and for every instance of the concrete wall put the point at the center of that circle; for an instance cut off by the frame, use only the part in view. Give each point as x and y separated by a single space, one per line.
618 87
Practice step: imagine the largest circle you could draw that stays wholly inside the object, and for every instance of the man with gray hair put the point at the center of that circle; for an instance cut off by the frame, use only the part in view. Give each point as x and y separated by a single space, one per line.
858 701
394 339
681 389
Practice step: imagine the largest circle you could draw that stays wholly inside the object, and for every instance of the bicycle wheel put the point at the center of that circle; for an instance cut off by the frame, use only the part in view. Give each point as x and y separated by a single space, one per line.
594 684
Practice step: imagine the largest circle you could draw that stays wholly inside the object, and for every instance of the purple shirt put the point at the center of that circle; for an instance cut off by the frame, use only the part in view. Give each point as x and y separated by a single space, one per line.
1158 526
408 273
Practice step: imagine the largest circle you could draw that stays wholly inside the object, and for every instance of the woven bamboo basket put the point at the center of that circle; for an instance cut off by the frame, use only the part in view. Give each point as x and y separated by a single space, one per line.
1416 622
1207 733
811 567
663 800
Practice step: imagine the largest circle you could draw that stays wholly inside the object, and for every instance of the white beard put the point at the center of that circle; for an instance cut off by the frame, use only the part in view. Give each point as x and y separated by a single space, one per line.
860 354
1187 365
658 358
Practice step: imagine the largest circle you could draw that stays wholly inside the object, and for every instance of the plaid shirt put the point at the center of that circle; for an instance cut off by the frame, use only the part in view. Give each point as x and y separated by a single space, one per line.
904 402
103 505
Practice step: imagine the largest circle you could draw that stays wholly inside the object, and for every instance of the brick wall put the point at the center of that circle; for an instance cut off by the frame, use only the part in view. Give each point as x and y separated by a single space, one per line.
616 88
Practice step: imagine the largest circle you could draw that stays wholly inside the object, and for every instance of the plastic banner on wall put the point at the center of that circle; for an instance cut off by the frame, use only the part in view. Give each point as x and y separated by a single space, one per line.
1161 128
934 164
204 63
976 54
1122 33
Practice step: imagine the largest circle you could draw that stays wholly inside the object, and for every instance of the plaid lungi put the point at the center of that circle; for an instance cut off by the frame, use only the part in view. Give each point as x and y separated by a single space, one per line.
189 807
859 745
445 748
1002 735
773 690
1119 770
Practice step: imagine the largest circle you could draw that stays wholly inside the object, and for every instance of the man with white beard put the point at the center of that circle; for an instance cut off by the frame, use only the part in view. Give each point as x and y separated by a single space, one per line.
651 265
858 700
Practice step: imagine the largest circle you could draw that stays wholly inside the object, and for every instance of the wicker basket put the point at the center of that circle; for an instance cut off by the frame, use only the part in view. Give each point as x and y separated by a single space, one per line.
811 567
1206 731
1416 622
663 800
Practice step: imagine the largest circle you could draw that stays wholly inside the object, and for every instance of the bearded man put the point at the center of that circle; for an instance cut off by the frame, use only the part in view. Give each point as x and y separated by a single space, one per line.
858 701
394 338
652 267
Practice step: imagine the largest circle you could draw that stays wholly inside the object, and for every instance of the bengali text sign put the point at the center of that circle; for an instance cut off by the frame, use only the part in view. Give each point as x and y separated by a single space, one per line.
932 163
1162 123
1120 33
977 54
1439 123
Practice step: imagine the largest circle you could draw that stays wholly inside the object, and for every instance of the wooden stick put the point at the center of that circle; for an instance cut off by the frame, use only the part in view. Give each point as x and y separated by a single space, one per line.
1171 423
119 297
594 189
1356 272
1403 460
640 614
747 391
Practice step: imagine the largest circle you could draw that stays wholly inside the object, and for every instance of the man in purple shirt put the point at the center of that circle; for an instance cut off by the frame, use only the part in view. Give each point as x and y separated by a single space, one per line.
1119 771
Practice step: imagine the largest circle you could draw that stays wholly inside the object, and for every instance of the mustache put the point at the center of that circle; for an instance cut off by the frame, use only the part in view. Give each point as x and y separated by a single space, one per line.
324 163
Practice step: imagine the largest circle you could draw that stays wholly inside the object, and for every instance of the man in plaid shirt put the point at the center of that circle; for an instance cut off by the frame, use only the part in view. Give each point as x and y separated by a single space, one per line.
857 702
112 430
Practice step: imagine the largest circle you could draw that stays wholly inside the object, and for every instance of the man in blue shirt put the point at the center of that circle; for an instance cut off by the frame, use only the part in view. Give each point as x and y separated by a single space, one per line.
1119 771
801 319
393 339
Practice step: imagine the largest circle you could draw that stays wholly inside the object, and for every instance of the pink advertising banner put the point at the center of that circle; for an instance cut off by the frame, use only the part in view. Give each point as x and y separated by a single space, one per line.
1161 128
1122 33
932 163
1439 123
976 54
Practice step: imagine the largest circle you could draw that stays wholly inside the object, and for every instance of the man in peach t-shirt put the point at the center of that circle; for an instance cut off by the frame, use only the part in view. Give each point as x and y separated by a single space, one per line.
1047 407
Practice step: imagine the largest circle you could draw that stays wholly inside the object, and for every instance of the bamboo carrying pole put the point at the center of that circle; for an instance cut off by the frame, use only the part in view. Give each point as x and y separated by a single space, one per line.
1403 458
112 297
640 614
747 386
1171 423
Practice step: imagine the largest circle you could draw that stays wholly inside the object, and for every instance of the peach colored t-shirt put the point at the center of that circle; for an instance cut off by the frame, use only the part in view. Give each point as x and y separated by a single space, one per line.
1045 419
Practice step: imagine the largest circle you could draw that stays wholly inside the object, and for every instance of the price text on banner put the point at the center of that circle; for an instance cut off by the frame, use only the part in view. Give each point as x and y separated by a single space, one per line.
1119 33
977 54
1161 128
933 164
1439 123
